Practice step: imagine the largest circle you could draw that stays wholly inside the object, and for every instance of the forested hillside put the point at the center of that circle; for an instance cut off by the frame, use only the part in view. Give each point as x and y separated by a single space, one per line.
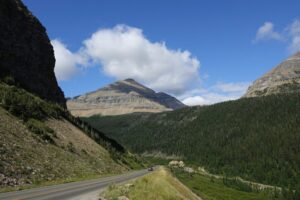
256 138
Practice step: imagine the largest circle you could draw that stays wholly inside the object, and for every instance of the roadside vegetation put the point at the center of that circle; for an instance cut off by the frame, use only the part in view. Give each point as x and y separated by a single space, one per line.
209 186
231 188
159 185
215 189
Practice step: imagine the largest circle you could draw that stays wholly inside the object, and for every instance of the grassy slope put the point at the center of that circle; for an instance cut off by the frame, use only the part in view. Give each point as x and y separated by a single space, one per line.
39 145
160 185
256 138
24 156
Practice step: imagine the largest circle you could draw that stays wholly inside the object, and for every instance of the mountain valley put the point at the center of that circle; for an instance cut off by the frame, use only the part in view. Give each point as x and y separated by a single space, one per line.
158 147
252 137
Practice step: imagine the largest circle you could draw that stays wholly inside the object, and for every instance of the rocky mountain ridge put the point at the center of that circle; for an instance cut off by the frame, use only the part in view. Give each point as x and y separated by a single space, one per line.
284 78
26 54
121 97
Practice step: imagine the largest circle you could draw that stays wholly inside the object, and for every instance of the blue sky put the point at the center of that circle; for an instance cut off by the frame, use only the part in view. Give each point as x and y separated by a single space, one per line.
200 51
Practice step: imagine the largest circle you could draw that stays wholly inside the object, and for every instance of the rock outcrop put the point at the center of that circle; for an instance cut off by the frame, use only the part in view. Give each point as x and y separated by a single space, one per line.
122 97
285 78
26 53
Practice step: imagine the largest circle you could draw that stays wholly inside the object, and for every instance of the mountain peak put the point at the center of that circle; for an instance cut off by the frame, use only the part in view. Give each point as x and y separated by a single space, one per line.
284 78
121 97
131 80
133 83
127 86
295 56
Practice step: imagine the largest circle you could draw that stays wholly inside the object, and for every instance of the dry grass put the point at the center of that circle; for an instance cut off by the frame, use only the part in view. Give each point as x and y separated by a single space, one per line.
160 185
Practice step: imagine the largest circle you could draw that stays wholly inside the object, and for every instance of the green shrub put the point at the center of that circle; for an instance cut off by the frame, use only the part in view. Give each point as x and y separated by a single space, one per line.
41 130
239 185
8 80
25 105
71 147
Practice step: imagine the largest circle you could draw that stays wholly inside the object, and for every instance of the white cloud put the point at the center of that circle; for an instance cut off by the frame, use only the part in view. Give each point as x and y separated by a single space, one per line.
66 61
124 52
290 35
295 44
232 87
294 33
294 28
215 94
266 32
208 99
194 101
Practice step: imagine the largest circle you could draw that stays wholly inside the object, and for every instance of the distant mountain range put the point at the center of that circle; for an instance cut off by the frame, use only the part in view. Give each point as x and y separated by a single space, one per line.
285 78
129 96
122 97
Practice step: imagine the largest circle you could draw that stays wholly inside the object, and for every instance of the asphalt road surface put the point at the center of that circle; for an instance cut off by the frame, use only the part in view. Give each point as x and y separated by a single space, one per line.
69 190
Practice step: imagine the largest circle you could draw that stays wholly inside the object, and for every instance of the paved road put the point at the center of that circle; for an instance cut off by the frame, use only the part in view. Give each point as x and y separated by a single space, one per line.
69 190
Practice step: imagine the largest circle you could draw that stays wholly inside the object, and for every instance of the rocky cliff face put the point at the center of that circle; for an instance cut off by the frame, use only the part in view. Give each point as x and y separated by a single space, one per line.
122 97
285 78
26 53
